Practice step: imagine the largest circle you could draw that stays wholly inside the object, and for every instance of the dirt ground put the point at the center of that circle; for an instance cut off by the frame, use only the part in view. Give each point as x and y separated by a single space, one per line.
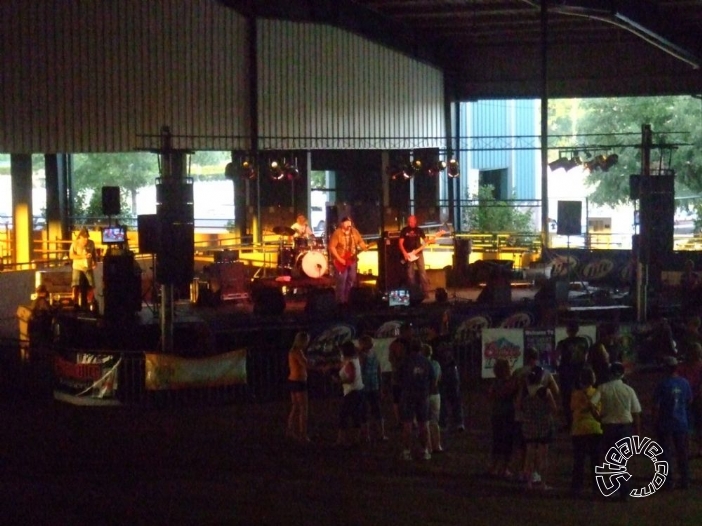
61 464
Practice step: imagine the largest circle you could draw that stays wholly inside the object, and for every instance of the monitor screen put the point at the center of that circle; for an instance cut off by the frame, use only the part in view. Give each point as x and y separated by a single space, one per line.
113 234
399 298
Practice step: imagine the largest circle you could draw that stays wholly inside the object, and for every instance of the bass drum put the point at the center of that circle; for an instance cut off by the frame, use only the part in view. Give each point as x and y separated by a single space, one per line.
313 263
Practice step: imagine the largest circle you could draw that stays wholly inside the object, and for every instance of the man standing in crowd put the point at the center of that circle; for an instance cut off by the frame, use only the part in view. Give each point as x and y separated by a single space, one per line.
344 245
620 414
572 355
672 399
417 380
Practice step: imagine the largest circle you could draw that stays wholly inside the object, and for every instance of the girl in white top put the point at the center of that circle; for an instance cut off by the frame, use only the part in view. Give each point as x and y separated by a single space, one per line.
351 412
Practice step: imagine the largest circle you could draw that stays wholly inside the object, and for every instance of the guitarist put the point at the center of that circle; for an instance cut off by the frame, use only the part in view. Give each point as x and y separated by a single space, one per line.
344 245
412 243
83 260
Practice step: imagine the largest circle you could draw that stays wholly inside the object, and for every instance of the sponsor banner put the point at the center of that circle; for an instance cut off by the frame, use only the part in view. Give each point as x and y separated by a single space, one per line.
501 343
87 376
614 268
543 340
165 371
324 347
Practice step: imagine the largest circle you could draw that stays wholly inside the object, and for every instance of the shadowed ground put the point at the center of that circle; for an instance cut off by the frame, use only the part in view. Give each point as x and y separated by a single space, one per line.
61 464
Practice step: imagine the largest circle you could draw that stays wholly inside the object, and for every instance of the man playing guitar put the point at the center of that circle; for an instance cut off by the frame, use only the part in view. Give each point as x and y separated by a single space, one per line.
82 255
412 243
344 245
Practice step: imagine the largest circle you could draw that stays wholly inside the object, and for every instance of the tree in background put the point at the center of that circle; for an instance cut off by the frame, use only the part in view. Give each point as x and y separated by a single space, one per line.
130 171
673 120
493 215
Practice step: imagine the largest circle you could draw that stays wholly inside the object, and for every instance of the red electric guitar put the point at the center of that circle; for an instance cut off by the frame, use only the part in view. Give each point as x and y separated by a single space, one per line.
349 259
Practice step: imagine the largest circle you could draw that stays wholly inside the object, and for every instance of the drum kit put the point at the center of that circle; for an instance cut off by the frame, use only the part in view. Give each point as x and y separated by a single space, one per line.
302 256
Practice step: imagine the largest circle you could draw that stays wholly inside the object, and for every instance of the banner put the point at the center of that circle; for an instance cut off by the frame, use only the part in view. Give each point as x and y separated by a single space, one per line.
89 379
543 340
501 343
165 371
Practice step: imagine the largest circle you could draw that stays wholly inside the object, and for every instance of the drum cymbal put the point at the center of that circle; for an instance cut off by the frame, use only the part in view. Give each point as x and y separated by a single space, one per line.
283 231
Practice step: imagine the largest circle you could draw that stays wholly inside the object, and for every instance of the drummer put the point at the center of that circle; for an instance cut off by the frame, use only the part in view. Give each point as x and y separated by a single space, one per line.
301 228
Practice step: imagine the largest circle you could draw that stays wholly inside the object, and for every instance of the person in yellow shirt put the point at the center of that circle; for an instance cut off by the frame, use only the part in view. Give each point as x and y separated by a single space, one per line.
586 430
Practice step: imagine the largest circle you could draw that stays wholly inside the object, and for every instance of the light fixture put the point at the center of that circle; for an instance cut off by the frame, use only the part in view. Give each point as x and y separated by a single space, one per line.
602 162
248 170
292 173
560 163
275 171
610 161
452 169
436 168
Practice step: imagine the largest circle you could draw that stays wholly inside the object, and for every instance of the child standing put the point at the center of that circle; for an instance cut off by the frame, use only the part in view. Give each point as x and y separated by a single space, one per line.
371 376
297 383
434 402
351 411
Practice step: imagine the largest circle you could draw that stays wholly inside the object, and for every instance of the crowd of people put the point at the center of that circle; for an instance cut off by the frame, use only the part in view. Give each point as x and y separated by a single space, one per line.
414 385
588 393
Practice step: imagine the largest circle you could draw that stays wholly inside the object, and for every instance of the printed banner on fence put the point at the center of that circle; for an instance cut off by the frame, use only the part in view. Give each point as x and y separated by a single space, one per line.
165 371
543 340
501 343
89 379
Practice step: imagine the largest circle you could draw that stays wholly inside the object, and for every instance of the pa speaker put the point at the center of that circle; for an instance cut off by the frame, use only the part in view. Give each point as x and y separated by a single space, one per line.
268 301
175 257
392 274
110 201
569 218
321 302
362 299
148 230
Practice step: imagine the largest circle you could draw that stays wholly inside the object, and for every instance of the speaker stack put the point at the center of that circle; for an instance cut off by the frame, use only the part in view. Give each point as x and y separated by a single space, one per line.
392 274
176 233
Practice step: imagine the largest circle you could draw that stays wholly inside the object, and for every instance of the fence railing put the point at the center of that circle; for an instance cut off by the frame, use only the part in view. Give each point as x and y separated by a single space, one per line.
28 374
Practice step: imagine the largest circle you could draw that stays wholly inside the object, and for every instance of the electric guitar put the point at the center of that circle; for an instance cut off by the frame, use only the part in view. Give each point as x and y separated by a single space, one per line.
414 255
349 259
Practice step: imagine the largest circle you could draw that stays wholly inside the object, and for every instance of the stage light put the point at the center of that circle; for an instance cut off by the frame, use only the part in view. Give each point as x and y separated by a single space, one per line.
610 161
452 169
558 164
416 165
248 171
275 171
291 172
436 169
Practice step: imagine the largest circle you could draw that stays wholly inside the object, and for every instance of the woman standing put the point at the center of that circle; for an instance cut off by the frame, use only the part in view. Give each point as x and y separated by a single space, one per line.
297 382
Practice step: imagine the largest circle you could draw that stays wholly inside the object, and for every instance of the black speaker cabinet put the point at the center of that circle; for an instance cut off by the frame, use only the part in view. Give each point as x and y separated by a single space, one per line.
392 273
321 302
462 247
147 227
268 301
362 299
121 286
175 257
110 201
569 218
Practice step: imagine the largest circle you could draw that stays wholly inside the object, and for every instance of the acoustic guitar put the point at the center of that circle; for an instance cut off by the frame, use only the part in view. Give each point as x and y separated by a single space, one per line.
414 255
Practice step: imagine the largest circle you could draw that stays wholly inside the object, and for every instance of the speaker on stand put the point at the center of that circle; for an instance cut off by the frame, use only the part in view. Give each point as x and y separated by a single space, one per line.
110 201
570 224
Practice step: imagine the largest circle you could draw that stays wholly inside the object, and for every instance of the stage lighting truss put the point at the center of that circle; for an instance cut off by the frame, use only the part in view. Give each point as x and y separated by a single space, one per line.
405 172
